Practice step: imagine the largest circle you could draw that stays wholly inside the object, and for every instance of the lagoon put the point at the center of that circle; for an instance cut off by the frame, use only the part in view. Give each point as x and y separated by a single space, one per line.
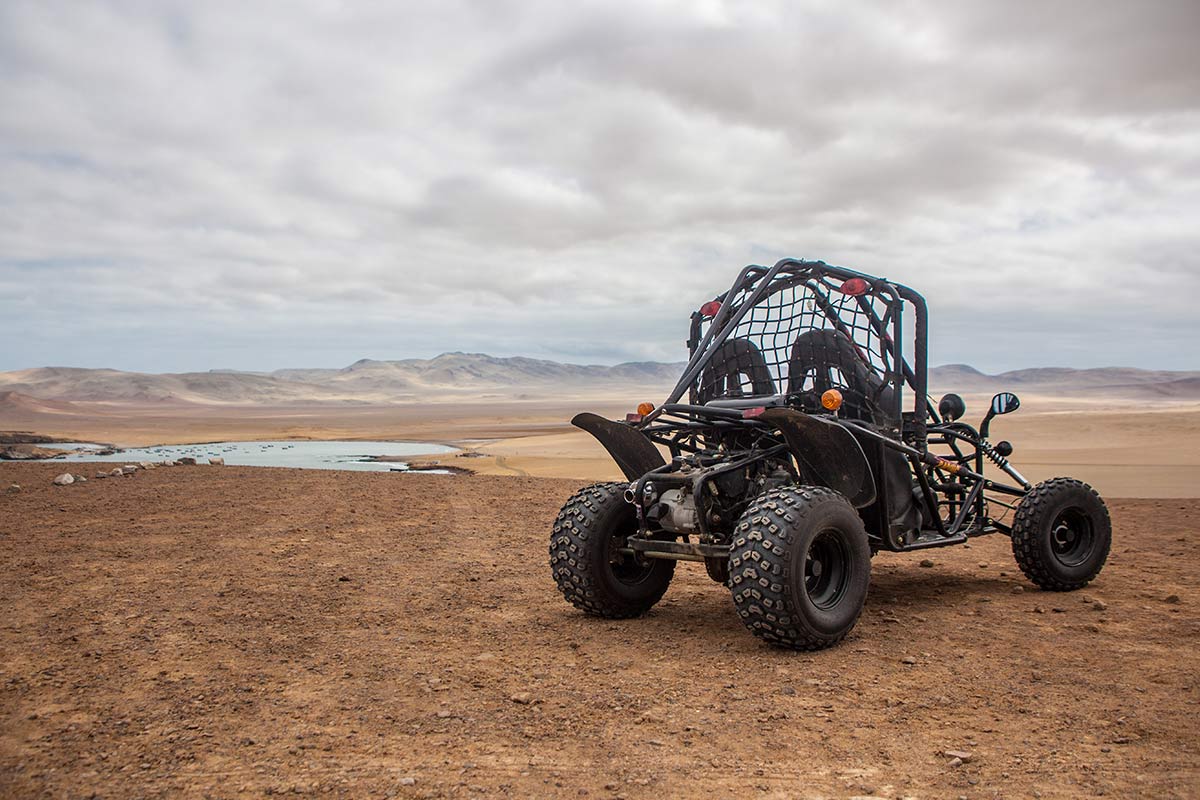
298 454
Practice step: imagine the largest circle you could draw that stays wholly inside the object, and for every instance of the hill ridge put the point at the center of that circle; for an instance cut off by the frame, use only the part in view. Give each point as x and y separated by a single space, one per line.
467 375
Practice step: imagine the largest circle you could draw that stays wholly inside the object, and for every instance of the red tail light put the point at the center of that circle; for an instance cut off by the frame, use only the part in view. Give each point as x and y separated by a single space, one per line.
710 308
854 287
751 413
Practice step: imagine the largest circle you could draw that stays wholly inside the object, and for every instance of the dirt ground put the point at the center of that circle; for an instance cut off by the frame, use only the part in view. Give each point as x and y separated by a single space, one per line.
226 632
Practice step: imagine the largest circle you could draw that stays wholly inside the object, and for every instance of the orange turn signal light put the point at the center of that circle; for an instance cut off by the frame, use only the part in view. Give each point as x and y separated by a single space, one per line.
645 408
832 399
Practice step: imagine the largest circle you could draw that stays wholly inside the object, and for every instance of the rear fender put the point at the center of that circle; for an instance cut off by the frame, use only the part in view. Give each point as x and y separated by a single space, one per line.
634 453
826 452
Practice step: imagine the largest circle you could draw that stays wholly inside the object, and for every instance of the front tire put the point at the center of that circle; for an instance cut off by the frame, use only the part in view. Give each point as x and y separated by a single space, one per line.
799 567
1061 534
589 571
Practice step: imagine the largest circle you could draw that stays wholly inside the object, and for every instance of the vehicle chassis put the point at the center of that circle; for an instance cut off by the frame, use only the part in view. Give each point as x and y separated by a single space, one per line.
725 453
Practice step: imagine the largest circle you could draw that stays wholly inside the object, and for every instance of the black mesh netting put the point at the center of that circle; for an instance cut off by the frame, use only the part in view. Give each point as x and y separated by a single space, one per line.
804 337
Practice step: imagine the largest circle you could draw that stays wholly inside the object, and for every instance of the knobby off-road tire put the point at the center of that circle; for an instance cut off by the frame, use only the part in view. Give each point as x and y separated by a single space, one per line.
1061 534
588 570
799 567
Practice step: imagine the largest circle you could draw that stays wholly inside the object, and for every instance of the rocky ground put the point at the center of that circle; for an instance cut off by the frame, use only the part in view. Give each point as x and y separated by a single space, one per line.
223 631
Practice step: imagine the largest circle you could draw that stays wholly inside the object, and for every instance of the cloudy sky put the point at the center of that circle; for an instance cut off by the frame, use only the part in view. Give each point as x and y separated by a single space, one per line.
190 185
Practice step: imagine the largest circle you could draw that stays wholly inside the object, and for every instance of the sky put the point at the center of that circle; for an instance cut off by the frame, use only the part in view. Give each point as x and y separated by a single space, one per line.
186 186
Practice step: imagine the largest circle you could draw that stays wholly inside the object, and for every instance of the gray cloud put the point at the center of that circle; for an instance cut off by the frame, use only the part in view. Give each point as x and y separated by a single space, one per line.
191 185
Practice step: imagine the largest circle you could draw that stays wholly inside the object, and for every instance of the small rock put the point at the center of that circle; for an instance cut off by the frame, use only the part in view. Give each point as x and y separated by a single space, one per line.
66 479
101 475
956 762
523 698
116 472
146 464
444 713
79 479
130 468
908 660
1039 610
962 755
187 460
1017 589
983 564
408 781
217 461
1057 610
925 562
343 579
1093 629
1171 598
1099 605
13 488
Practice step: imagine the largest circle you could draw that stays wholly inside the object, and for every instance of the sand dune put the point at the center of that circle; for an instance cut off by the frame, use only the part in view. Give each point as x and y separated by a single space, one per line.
15 402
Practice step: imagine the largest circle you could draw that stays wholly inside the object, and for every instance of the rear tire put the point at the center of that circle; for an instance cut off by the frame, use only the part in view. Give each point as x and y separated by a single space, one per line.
799 567
588 570
1061 534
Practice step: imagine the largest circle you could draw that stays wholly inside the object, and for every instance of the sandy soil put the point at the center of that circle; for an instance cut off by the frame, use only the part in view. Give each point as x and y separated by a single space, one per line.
223 632
1124 451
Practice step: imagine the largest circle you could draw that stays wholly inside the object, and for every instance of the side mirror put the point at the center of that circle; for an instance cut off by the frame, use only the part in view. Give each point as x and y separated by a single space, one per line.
1003 403
952 407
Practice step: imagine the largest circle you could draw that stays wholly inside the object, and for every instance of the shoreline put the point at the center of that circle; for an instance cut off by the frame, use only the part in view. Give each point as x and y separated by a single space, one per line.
1106 446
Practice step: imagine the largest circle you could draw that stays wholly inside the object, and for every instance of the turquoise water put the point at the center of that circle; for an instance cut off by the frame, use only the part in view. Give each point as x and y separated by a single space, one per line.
302 455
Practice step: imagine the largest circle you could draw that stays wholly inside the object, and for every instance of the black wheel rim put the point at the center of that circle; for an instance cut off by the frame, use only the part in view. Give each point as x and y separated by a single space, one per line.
1072 537
826 569
626 567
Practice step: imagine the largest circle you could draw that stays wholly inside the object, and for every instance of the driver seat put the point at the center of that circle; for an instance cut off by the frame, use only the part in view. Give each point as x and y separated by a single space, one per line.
736 362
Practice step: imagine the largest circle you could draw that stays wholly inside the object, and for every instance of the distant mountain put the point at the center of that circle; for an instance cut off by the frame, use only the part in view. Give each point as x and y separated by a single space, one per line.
17 402
477 376
1115 382
367 380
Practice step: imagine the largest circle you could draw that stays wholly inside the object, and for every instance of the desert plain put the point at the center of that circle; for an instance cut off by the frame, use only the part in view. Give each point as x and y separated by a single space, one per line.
241 632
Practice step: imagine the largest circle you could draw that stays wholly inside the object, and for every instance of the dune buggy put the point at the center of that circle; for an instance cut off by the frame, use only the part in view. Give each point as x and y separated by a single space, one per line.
801 441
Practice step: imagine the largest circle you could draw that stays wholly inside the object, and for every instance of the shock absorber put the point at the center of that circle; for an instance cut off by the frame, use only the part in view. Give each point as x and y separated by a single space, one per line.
998 455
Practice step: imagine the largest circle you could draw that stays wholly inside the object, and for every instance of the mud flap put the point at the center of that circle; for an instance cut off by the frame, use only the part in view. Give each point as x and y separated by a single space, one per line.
826 452
634 453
